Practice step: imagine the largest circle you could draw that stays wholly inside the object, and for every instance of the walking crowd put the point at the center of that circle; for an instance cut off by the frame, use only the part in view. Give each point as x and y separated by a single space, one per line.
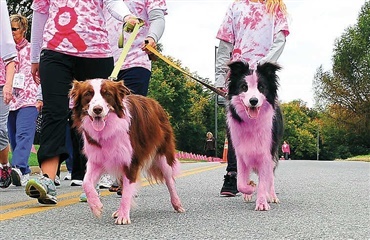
78 39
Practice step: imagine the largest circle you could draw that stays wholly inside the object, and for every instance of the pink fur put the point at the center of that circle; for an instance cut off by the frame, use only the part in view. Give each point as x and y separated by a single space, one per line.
252 137
113 147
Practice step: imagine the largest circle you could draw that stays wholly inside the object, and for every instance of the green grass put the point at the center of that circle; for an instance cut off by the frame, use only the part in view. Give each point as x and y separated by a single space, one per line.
362 158
32 160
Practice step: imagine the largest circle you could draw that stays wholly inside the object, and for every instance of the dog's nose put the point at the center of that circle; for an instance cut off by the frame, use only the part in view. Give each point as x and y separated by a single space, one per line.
253 101
97 110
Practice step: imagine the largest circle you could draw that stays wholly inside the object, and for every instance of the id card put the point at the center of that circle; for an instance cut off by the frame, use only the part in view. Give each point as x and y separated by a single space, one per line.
18 81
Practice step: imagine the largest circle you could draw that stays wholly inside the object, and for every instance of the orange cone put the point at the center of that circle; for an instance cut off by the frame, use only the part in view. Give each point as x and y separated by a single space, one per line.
224 155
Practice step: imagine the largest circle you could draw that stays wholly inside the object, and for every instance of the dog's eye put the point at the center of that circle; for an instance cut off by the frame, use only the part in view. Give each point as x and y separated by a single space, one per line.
261 87
107 94
244 87
88 94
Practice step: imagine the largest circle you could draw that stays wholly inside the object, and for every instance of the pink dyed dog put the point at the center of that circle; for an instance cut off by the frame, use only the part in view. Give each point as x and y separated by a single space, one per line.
124 135
256 128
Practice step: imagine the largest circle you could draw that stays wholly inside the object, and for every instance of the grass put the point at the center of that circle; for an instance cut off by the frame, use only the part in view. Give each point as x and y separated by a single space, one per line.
362 158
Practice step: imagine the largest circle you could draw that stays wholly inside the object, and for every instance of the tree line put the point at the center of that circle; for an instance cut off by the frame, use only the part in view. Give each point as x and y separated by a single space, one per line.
336 127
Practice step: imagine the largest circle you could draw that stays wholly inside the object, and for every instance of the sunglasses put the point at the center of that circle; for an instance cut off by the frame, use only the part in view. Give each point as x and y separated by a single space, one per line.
15 29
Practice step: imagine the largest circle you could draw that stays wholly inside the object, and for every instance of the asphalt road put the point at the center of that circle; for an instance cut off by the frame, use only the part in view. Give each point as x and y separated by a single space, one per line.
319 200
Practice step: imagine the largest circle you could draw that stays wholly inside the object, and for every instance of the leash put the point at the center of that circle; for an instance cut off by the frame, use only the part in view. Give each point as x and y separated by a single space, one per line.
158 54
127 27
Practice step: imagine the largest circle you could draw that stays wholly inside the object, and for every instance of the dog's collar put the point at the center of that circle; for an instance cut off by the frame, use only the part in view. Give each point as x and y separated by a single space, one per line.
92 141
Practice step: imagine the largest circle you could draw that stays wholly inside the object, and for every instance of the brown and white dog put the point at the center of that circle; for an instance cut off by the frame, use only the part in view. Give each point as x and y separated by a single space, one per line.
124 135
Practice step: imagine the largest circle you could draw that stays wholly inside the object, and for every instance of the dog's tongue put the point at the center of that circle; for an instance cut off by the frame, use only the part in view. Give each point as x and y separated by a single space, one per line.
98 124
252 112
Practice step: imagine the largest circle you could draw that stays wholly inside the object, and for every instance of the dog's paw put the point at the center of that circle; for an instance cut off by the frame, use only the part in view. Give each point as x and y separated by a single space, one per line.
262 205
247 197
97 210
96 206
247 189
179 209
274 200
120 220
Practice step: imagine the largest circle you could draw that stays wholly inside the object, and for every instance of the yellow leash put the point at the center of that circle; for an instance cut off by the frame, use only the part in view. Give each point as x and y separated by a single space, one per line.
134 31
158 54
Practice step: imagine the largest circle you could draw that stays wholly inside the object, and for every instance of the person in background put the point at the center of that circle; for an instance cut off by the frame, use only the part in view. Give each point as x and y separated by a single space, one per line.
285 148
68 41
210 146
252 31
8 54
22 109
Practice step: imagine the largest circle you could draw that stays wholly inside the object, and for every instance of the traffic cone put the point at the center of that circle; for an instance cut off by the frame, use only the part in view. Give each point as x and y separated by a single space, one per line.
224 155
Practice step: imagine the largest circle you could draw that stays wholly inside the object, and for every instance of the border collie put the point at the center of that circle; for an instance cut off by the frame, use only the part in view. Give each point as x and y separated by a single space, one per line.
256 127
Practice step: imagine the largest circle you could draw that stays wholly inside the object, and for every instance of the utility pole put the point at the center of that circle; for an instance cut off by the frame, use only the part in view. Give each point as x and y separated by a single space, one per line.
216 107
318 143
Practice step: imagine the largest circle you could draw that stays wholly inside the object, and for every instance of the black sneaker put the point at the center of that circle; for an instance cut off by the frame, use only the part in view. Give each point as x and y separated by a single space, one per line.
229 189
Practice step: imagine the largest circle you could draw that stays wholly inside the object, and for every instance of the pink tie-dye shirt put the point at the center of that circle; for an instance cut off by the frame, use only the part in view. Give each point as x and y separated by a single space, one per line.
251 29
135 57
28 95
68 33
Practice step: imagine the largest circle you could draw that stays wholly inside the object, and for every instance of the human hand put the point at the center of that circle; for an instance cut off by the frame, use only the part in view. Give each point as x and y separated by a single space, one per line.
130 22
8 93
149 42
39 105
35 72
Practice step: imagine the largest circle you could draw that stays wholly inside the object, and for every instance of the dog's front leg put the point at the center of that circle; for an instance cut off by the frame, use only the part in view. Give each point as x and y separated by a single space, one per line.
265 176
91 178
122 215
244 185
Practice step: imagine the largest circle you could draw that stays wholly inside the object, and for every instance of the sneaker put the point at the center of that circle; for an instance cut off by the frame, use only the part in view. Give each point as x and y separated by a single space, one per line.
5 175
68 176
76 183
105 181
229 188
83 197
19 179
57 180
16 176
43 189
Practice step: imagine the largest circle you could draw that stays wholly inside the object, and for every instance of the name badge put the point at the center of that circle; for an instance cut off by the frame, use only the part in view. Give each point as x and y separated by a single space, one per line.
18 81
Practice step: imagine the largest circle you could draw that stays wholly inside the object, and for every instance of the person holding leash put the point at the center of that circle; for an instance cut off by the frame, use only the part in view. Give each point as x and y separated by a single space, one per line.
68 41
136 70
253 31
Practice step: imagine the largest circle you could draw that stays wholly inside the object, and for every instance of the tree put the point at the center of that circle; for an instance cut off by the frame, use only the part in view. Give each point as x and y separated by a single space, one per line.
343 93
300 129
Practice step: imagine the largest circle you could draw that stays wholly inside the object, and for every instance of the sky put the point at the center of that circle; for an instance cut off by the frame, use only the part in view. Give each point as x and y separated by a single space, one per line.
192 25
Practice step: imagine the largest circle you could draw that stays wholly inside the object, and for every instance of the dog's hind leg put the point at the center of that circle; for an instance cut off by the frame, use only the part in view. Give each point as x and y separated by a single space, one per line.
91 178
122 215
273 198
169 177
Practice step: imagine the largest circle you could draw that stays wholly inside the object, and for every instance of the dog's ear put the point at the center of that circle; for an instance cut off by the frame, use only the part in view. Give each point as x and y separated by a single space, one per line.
239 68
76 100
268 69
123 90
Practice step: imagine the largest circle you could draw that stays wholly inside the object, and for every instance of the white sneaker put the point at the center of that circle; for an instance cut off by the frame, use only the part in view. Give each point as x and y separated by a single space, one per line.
76 183
68 177
24 179
16 175
57 180
105 181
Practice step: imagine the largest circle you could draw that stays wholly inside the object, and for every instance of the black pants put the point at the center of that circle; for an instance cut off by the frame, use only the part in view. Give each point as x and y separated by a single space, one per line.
231 158
57 71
